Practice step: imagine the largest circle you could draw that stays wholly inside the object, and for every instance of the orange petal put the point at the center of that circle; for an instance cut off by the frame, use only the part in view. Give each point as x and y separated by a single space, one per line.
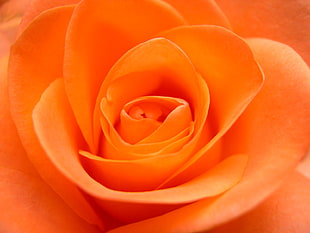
4 45
36 7
36 60
200 12
284 21
233 76
281 110
304 165
286 210
32 206
150 69
212 183
57 135
99 34
148 118
12 153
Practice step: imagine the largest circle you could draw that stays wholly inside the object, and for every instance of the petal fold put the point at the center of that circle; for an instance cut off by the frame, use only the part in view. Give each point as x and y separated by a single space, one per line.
36 60
101 32
286 210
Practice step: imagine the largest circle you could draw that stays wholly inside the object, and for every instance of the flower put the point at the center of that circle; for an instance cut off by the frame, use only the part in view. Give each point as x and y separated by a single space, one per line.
153 116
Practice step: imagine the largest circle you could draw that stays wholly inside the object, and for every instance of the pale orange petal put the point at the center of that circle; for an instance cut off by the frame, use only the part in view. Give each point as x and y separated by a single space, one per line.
99 34
285 211
12 153
285 21
304 165
35 61
30 205
36 7
274 130
228 67
59 135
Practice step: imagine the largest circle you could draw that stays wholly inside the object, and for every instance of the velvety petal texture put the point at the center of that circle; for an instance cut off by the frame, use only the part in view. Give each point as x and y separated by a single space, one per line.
99 33
37 60
36 7
285 21
287 210
155 116
34 206
200 12
264 161
25 197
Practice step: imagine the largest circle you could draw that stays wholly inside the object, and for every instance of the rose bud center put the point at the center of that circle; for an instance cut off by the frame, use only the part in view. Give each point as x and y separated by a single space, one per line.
153 118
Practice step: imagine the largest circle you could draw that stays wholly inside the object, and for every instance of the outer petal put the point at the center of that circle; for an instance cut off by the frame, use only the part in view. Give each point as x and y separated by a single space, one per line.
36 7
274 130
10 16
304 166
54 124
285 21
285 211
100 32
27 203
12 153
36 60
233 77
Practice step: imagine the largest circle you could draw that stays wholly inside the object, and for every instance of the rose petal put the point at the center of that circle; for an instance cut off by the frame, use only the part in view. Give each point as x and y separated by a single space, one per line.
304 165
281 110
227 64
150 69
28 204
152 119
200 12
285 21
100 32
4 45
54 124
12 153
286 210
32 206
8 31
36 60
36 7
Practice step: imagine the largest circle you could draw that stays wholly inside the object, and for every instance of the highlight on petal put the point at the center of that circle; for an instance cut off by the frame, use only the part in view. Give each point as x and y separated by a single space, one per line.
284 21
4 45
35 61
200 12
304 165
101 32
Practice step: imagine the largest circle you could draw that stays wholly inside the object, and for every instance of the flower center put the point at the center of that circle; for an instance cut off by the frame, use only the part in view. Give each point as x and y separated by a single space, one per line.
145 117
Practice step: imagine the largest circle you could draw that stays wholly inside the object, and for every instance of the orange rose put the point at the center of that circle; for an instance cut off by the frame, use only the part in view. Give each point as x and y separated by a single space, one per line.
154 116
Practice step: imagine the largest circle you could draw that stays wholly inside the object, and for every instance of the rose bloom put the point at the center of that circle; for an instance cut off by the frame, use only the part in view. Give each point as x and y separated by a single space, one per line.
155 116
